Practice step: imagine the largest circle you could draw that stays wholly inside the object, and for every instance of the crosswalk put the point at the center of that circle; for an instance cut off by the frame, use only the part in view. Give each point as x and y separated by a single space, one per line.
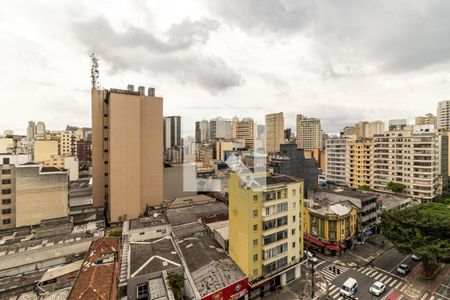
329 275
427 296
387 279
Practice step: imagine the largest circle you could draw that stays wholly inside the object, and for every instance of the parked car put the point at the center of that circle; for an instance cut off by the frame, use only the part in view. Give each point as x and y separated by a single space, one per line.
310 256
349 287
377 288
415 257
403 269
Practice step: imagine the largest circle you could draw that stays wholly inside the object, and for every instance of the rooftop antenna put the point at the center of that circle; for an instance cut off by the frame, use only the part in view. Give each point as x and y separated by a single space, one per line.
94 71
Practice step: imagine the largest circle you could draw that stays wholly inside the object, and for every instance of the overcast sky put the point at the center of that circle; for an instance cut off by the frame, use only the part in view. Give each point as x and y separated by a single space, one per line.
340 61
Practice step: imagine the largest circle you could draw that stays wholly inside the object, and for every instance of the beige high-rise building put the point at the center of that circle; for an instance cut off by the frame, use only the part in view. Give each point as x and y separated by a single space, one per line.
443 115
366 129
428 119
376 127
362 129
245 129
45 149
68 143
234 123
274 132
309 133
127 151
359 162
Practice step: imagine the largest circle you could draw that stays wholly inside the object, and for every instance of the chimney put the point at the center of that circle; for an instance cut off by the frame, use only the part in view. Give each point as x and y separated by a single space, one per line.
130 88
141 90
151 91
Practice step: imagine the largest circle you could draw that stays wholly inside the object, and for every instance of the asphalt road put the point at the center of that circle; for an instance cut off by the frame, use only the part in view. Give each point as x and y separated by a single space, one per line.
391 259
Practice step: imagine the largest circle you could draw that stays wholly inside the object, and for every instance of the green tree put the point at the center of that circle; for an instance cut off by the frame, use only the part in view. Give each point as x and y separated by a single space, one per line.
176 282
396 187
422 229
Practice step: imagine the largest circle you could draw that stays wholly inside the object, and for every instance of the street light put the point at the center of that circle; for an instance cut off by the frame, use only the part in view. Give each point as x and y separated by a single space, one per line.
311 265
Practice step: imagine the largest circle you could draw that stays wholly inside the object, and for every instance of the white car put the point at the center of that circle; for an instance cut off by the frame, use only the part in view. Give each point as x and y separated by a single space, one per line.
349 287
403 269
377 288
310 256
415 257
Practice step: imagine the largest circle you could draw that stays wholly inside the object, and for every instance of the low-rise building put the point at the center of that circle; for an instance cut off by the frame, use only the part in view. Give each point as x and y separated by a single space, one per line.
329 226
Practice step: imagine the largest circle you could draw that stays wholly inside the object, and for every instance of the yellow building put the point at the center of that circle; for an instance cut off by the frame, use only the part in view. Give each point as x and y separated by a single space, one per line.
328 226
274 132
359 162
44 149
265 226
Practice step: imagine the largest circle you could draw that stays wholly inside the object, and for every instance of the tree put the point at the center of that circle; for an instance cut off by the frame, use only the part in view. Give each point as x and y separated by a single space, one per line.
176 282
422 229
396 187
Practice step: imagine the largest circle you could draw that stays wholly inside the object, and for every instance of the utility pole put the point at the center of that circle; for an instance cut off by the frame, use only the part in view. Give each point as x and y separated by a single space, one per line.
311 265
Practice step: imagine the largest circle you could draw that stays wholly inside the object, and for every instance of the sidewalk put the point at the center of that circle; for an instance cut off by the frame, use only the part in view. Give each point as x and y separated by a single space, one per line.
300 288
419 285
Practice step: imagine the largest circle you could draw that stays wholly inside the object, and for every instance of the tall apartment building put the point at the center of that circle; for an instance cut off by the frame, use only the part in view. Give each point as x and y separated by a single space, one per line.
443 115
428 119
30 130
234 123
31 193
348 130
274 132
366 129
68 143
172 132
336 158
266 227
201 131
362 129
309 133
398 124
127 151
359 162
39 128
416 157
245 129
219 128
376 127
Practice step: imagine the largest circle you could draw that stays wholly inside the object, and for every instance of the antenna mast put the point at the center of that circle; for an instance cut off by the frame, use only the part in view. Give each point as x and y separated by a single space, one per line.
94 71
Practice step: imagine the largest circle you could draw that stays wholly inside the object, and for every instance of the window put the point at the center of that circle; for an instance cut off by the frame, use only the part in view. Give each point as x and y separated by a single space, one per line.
255 197
255 213
255 227
293 231
6 221
255 257
6 211
293 258
6 161
293 219
6 201
6 181
294 205
255 242
6 172
6 191
142 291
294 192
293 244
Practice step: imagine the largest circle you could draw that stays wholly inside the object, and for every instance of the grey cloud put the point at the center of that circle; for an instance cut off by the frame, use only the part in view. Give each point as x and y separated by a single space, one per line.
178 55
394 36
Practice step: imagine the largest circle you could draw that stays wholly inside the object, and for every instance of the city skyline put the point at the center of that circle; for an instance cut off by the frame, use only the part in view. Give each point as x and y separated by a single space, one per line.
340 76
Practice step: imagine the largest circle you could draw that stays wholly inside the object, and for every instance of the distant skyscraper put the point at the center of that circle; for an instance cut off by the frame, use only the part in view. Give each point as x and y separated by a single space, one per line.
234 124
443 115
287 134
376 127
219 128
201 131
274 132
40 128
172 132
127 150
245 129
309 133
30 130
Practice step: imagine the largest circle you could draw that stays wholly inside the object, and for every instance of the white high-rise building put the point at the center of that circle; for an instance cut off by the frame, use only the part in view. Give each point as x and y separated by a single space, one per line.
309 133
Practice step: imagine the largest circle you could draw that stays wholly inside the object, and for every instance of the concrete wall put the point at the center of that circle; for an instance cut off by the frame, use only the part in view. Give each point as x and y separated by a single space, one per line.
6 144
173 183
40 196
44 149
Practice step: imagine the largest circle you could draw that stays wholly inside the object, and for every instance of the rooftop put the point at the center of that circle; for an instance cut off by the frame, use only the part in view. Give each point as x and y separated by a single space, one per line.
209 265
192 213
153 255
150 221
351 193
97 276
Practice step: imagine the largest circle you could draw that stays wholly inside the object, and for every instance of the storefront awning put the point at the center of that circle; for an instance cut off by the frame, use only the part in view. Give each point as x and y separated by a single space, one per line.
332 246
315 241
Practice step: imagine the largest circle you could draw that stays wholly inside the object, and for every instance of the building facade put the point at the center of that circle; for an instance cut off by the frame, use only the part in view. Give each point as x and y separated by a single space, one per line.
427 119
274 132
415 157
68 143
219 128
359 162
309 133
265 227
443 115
127 151
201 131
245 129
335 157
